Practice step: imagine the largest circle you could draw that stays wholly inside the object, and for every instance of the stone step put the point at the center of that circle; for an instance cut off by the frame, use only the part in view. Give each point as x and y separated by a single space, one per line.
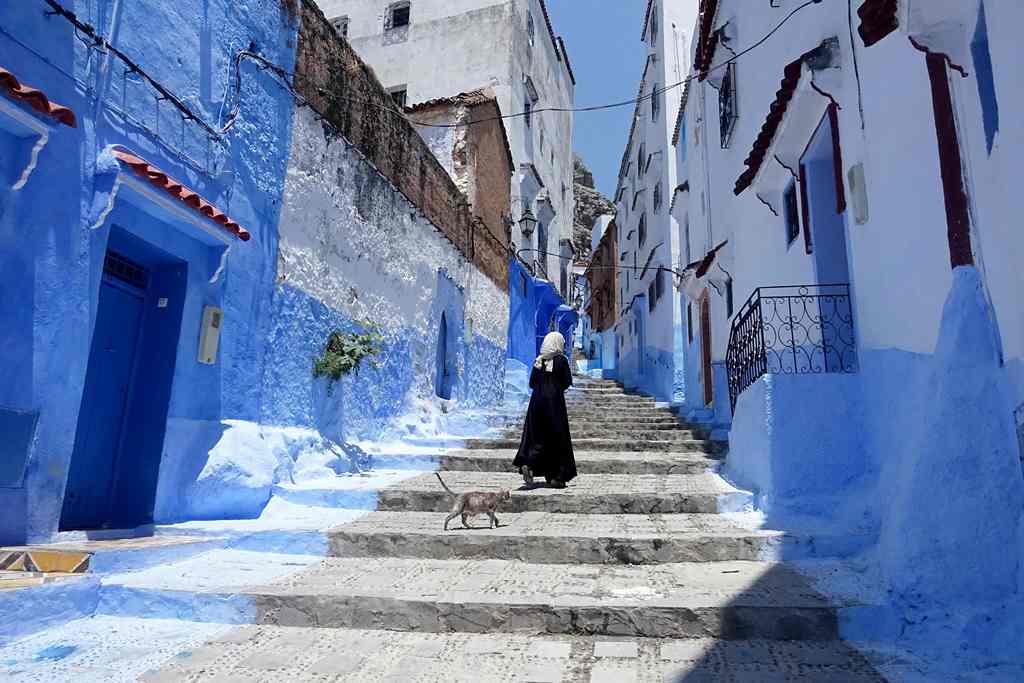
610 401
587 462
283 653
626 411
728 600
587 494
554 538
636 433
684 445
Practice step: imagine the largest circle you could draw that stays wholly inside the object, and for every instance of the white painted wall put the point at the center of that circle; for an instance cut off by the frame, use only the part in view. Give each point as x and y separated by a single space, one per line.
667 63
454 46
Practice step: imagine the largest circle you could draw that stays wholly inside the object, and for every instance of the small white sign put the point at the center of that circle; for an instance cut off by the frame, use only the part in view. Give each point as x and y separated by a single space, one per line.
161 302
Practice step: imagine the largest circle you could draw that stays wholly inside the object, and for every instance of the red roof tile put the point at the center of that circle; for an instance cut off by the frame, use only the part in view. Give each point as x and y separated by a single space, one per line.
777 111
36 99
878 18
707 41
164 182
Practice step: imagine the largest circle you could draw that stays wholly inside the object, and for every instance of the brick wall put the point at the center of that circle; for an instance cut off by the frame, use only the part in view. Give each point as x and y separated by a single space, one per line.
330 75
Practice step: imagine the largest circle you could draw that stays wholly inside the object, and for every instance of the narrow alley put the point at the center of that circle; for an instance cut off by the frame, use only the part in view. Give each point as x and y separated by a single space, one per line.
706 311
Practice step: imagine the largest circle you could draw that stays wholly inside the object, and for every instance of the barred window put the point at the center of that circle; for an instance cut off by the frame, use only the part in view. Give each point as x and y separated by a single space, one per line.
340 25
398 15
727 113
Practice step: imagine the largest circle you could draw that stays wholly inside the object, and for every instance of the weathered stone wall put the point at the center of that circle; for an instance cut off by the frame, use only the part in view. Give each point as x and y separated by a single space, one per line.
337 84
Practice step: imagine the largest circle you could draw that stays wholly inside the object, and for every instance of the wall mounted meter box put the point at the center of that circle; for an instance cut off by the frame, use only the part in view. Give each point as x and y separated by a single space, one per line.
209 334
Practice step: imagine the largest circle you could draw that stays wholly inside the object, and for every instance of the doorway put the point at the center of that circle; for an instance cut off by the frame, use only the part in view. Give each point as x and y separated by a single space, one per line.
824 208
705 349
443 374
641 337
115 462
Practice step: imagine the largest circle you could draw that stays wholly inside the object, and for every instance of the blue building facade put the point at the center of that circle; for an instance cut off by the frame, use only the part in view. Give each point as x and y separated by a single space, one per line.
139 259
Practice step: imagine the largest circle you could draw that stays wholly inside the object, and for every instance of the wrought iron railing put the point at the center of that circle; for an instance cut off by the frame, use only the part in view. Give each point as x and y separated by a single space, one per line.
791 330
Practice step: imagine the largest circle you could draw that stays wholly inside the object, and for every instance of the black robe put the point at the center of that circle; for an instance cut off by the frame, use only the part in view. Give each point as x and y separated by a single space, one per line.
546 446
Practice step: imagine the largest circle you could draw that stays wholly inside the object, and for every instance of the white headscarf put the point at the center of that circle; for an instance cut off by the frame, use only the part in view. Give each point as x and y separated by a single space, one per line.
553 345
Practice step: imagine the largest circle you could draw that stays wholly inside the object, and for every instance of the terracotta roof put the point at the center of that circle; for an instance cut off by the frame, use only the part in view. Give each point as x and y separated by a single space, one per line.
36 99
707 40
878 18
470 98
777 111
682 111
162 181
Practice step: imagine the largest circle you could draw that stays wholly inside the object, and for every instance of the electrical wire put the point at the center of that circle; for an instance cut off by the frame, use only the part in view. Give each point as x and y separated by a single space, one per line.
286 78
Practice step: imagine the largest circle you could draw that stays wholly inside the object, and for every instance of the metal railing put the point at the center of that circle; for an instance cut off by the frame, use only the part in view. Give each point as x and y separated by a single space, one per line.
791 330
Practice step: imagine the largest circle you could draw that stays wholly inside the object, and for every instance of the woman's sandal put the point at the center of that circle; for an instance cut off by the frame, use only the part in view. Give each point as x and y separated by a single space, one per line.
527 475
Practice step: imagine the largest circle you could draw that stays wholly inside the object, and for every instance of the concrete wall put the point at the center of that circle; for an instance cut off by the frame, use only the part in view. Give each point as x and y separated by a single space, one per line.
373 231
927 419
387 236
659 363
53 260
450 48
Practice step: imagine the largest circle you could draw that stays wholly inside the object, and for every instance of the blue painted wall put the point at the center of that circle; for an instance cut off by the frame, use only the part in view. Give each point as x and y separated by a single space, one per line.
51 262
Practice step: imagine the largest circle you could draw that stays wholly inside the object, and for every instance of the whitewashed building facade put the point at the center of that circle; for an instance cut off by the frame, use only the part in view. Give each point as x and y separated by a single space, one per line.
649 329
430 49
859 167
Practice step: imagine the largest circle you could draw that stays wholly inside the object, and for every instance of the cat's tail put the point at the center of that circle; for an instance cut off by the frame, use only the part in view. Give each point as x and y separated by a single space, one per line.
436 474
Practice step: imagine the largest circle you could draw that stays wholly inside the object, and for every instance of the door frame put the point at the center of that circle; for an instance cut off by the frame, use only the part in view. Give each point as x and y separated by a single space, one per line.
707 370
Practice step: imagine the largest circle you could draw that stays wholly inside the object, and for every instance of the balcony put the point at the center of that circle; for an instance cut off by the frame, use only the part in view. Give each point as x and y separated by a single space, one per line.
791 330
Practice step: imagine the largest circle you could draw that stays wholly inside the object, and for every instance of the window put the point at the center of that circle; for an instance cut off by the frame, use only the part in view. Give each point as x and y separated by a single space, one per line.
727 113
398 16
541 139
660 281
655 102
689 323
650 297
643 229
640 154
654 24
399 96
340 25
531 29
657 196
527 111
790 214
728 298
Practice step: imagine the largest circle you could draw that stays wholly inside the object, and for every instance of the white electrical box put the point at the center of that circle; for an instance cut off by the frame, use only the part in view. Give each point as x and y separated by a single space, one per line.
209 334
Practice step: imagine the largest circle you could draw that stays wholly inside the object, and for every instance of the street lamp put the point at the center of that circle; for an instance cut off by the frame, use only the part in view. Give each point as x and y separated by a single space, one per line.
527 222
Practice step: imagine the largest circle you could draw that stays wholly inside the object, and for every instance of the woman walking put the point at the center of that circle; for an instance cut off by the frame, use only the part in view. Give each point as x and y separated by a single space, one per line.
546 447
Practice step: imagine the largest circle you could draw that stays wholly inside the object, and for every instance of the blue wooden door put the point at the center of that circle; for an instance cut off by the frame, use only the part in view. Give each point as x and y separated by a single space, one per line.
101 419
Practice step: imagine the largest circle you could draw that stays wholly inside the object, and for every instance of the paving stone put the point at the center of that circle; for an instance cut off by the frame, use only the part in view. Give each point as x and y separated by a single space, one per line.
615 648
338 664
550 648
612 673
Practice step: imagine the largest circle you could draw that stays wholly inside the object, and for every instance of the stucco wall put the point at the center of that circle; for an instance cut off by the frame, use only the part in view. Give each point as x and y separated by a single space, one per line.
59 259
449 48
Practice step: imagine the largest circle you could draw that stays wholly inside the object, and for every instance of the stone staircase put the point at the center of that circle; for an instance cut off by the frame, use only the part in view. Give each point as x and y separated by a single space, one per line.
637 571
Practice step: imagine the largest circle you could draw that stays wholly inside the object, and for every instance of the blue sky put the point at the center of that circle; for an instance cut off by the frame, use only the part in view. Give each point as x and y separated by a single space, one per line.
603 40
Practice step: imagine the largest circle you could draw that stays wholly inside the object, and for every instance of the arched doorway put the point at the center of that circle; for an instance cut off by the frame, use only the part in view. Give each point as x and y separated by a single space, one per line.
443 373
